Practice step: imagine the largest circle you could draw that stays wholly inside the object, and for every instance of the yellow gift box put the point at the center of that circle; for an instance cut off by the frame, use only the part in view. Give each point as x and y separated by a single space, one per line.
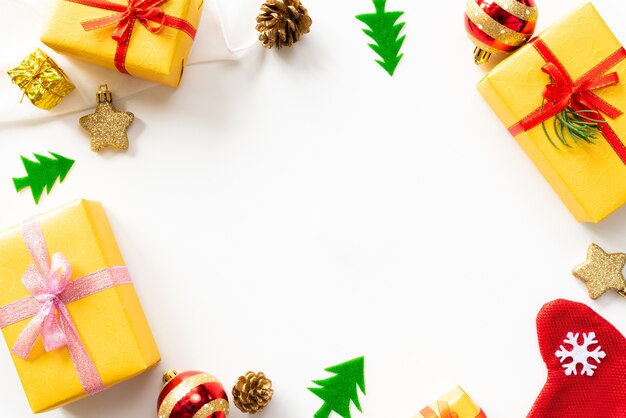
455 403
155 51
111 323
589 178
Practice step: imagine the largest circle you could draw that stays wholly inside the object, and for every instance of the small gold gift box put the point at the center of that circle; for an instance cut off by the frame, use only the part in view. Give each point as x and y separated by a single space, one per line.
41 80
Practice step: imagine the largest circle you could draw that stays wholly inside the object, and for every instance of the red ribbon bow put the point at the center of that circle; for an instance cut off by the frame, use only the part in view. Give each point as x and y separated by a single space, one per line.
564 92
147 12
143 10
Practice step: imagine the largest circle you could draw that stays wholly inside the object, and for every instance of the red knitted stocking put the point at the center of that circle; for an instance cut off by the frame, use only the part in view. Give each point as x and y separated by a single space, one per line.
586 361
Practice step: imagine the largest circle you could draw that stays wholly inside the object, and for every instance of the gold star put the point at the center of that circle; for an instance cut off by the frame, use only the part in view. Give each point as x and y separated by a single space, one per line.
602 272
107 127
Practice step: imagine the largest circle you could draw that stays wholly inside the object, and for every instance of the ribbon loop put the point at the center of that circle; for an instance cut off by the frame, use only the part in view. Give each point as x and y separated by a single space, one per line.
143 10
46 290
52 333
48 281
154 14
563 92
147 12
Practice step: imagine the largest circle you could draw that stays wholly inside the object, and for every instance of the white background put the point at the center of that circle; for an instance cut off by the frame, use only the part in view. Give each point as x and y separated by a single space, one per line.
298 208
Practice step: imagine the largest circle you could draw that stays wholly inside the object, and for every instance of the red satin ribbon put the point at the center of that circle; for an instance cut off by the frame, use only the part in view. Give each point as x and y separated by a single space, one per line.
147 12
564 92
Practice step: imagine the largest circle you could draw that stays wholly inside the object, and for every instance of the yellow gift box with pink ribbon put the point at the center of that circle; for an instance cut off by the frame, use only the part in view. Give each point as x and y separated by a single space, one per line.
454 404
563 96
68 309
145 38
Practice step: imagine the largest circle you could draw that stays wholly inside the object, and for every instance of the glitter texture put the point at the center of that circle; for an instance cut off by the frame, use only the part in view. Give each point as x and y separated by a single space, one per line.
107 127
181 390
213 406
519 10
492 28
602 272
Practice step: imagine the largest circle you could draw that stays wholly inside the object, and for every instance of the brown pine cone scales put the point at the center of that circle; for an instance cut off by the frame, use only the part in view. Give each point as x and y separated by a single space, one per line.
282 23
252 392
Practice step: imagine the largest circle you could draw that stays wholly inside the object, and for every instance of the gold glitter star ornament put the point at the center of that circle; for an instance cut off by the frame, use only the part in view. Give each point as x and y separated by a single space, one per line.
602 272
107 125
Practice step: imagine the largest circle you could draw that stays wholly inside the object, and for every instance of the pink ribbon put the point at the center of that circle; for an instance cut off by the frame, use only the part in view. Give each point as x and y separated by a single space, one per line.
48 281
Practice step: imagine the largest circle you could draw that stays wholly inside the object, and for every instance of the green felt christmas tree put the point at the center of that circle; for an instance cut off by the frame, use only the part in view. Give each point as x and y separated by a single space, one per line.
43 173
339 390
385 32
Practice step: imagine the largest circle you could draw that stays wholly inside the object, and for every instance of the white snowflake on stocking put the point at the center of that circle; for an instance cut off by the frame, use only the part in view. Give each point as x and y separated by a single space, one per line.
580 354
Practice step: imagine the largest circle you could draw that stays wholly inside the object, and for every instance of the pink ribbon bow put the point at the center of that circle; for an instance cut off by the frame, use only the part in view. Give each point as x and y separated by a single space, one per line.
48 281
46 286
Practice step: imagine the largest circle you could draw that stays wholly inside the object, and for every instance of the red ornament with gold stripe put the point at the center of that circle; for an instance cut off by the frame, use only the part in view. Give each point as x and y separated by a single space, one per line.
192 394
499 26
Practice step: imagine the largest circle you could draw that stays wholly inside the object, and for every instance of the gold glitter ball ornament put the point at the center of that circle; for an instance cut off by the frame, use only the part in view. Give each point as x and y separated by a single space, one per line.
41 80
282 23
602 272
107 126
252 392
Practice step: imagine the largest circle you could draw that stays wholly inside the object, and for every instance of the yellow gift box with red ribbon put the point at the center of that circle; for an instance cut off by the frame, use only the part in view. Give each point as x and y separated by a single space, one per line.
576 65
145 38
454 404
68 310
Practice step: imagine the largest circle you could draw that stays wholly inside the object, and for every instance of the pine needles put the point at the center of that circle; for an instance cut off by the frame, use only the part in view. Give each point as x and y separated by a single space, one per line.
577 126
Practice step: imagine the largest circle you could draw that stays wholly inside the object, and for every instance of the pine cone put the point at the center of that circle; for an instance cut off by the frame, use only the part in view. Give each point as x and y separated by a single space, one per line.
282 23
252 392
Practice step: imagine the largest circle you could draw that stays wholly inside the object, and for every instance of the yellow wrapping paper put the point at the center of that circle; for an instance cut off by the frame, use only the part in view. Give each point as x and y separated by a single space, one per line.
111 323
41 80
590 179
455 403
158 57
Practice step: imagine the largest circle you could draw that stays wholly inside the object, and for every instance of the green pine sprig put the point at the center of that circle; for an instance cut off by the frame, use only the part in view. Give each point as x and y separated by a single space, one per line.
571 125
577 126
385 31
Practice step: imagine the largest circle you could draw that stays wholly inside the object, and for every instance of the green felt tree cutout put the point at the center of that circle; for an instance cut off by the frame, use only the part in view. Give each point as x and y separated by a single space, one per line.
339 390
384 30
43 173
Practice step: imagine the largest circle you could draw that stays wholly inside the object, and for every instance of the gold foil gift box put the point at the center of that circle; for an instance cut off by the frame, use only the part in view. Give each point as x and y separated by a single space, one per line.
149 39
572 76
41 80
68 308
454 404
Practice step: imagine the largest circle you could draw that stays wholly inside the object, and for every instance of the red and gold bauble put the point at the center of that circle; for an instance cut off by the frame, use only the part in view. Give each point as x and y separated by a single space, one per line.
499 26
192 395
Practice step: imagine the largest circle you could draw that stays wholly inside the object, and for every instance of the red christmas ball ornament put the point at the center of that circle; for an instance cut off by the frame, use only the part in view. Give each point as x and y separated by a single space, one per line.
192 394
499 26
